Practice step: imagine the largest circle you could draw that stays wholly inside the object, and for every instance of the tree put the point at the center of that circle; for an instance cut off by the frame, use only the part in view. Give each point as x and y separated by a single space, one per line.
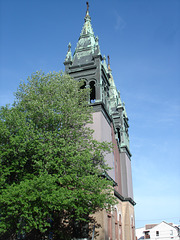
50 165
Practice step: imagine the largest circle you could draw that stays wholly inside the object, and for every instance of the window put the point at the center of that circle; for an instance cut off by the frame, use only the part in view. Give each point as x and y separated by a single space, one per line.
116 225
171 232
133 228
157 233
93 92
109 226
120 227
83 85
119 136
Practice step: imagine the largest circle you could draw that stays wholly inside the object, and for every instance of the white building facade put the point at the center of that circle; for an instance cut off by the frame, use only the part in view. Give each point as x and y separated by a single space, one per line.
161 231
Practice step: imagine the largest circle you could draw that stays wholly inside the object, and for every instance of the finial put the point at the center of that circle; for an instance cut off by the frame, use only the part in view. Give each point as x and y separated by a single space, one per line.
108 62
87 12
69 46
87 3
104 62
69 54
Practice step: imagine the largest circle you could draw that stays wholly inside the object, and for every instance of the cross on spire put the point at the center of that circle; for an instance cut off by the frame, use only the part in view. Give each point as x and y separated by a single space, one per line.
87 12
87 3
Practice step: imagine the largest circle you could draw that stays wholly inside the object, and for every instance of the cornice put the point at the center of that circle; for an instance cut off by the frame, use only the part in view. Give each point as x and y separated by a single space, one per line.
124 199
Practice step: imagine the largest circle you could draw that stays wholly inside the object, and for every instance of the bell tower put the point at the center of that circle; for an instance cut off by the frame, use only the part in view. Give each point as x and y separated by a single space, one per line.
86 62
110 123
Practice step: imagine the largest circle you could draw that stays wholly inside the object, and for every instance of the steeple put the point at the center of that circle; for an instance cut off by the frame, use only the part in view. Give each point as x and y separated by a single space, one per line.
110 121
87 45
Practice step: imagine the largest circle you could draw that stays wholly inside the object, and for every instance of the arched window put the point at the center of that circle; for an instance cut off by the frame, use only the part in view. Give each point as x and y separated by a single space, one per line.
132 227
83 84
120 227
116 225
93 92
119 136
109 226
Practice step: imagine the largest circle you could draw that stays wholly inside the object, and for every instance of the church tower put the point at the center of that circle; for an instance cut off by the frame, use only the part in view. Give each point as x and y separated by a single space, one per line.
110 123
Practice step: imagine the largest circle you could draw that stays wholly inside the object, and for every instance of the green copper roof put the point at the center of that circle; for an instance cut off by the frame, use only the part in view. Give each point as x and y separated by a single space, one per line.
88 44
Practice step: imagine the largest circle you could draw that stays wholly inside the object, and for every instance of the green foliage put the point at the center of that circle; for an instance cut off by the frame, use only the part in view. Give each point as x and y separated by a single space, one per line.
50 165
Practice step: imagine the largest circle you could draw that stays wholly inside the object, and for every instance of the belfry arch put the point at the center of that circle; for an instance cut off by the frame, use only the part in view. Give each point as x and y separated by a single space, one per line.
92 85
83 82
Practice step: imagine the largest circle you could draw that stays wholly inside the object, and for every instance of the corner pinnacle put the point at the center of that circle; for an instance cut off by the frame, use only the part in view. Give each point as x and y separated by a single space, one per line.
109 68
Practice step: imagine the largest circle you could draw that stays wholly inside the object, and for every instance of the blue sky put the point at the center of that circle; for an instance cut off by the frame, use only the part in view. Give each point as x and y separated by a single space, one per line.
142 38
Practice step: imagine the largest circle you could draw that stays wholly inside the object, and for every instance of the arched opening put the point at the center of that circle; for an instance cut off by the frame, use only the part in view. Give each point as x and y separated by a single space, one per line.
109 226
133 228
120 227
116 225
93 92
83 86
119 135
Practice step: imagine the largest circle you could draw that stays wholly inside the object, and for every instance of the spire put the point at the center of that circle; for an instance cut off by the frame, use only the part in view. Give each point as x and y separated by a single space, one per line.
87 28
88 44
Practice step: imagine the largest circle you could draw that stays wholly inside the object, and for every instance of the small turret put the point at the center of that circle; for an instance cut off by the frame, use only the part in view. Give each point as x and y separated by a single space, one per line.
68 59
69 54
